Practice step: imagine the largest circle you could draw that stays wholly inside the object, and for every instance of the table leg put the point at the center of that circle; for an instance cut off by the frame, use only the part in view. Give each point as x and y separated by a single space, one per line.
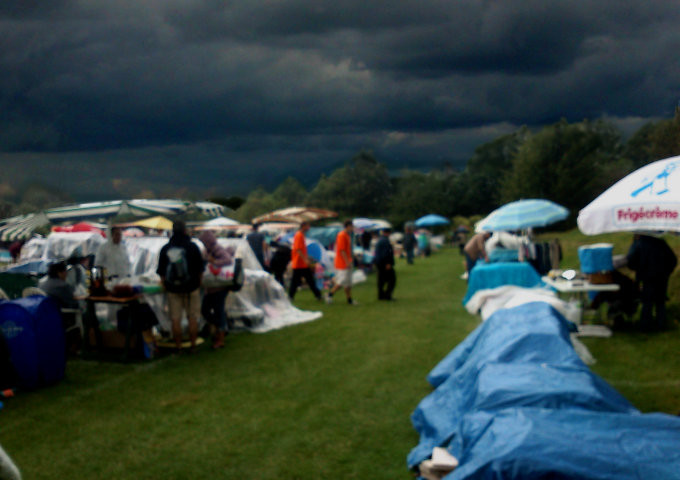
90 321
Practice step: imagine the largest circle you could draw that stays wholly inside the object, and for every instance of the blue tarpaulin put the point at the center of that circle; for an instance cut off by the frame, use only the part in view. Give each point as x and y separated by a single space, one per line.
514 401
324 235
533 332
534 443
503 255
492 275
502 385
34 267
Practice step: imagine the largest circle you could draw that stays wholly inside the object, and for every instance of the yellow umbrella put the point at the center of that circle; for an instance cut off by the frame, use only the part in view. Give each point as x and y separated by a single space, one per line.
157 223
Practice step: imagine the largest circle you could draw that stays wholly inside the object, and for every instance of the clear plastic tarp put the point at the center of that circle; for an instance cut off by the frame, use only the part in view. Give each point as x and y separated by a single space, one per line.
260 306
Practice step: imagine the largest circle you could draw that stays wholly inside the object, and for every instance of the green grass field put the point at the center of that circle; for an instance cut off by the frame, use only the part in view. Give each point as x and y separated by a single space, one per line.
326 399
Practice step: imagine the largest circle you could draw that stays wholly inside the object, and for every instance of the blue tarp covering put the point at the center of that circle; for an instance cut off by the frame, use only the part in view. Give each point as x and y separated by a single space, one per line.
514 401
492 275
534 332
34 267
502 385
533 443
324 235
503 255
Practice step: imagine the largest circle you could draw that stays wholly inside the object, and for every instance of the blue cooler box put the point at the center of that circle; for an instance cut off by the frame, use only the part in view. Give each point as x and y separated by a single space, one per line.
596 258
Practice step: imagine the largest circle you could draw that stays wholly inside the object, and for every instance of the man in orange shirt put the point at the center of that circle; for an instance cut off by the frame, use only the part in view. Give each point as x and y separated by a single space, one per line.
301 264
343 263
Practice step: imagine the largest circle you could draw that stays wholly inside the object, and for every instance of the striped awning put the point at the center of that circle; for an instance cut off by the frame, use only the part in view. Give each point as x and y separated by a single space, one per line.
21 227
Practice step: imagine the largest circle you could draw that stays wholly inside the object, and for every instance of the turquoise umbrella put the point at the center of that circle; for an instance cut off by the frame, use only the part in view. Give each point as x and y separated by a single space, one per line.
431 220
523 214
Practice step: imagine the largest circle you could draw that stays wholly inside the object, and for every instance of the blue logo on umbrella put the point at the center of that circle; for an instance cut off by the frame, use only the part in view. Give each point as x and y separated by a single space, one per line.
658 185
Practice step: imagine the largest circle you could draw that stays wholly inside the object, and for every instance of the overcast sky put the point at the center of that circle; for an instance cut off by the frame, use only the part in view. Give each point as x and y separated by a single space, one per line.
114 98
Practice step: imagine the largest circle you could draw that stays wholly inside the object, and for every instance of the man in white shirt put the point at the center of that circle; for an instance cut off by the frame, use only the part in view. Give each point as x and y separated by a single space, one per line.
113 256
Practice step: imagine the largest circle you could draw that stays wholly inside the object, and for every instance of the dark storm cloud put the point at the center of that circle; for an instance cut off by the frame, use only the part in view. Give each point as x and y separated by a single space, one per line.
281 79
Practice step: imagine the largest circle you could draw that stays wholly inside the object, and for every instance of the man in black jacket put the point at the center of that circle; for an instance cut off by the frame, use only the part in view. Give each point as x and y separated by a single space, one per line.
384 262
180 266
653 262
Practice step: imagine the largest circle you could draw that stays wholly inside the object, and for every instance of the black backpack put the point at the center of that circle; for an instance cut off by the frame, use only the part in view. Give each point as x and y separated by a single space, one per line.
177 271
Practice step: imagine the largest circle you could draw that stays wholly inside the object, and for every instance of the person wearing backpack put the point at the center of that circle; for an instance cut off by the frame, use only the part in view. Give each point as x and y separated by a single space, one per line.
180 266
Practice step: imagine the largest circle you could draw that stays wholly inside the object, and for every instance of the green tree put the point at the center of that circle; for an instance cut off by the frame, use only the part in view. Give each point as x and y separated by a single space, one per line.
567 163
361 188
480 185
37 197
257 203
290 193
417 194
6 209
655 141
234 202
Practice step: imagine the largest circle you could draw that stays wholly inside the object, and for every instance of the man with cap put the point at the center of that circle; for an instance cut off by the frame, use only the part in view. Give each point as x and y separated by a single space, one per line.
180 266
384 262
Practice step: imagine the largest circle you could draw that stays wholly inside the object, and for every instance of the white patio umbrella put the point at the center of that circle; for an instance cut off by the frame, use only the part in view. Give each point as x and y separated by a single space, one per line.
647 199
380 224
220 222
522 214
362 223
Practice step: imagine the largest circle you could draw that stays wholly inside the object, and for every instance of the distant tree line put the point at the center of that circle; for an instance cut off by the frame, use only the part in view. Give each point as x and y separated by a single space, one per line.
568 163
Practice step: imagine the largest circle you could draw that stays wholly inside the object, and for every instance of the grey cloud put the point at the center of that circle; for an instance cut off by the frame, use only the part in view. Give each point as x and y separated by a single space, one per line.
280 82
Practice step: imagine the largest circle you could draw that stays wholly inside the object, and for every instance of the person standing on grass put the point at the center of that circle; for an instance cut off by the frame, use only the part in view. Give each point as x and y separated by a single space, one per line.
343 263
113 256
475 250
258 243
214 298
384 262
301 264
180 266
653 262
409 243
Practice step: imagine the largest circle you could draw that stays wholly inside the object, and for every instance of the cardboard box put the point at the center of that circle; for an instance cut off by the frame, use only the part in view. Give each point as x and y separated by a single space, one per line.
113 339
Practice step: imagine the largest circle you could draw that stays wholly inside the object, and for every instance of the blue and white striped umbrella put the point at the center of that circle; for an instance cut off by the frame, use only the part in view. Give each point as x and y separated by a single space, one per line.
521 215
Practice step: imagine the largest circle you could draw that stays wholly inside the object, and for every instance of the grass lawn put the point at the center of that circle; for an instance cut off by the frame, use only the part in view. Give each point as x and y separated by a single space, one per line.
326 399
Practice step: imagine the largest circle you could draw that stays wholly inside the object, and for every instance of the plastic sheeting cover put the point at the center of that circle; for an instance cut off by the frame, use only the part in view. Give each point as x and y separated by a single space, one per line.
261 303
62 245
533 443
